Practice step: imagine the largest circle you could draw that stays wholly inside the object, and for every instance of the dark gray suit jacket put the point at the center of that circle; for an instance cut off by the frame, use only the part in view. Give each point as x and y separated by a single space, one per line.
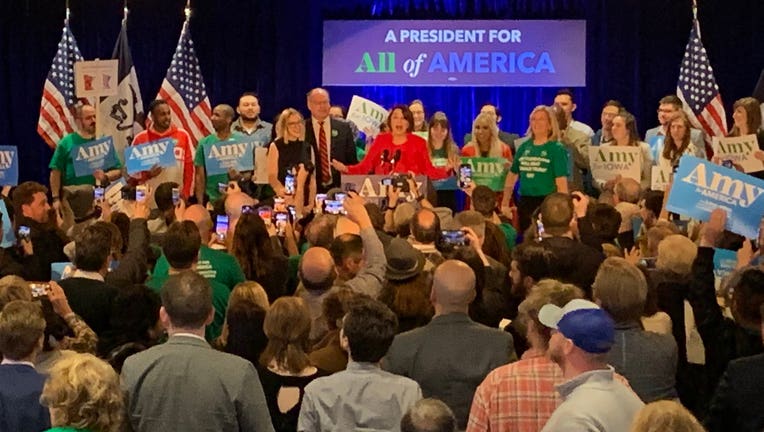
449 358
185 385
342 148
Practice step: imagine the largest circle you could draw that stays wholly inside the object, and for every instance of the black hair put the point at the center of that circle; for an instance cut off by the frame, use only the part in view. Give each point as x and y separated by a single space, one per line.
370 327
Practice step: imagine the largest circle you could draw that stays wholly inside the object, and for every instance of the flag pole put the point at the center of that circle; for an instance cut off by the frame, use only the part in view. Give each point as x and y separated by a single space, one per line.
695 17
66 19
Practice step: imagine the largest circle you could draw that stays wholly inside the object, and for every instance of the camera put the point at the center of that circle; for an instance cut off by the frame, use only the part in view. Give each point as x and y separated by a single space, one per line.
401 182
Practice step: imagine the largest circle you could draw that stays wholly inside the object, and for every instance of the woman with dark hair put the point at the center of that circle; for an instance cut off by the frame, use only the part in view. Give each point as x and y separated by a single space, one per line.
398 151
407 285
285 368
134 324
243 333
260 255
677 143
625 134
747 121
442 149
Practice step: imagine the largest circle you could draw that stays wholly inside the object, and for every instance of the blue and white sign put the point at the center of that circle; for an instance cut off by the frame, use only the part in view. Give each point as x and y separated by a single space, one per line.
9 166
94 155
656 147
9 237
700 187
725 262
143 157
219 157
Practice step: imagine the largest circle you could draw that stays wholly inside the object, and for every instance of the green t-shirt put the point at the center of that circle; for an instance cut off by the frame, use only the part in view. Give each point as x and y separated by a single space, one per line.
212 264
220 294
510 233
538 166
62 161
66 429
211 182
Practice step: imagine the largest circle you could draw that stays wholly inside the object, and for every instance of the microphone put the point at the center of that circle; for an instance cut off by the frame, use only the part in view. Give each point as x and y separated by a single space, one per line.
385 155
396 157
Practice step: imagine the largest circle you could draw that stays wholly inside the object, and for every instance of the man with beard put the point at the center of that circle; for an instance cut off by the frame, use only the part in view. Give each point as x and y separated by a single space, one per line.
258 131
162 127
582 335
222 117
62 162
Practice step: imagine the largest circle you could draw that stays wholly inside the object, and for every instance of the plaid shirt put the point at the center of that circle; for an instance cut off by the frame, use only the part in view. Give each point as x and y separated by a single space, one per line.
518 397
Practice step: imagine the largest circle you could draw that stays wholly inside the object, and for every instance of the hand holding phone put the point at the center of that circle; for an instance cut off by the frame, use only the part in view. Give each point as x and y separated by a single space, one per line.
98 194
175 196
221 227
281 222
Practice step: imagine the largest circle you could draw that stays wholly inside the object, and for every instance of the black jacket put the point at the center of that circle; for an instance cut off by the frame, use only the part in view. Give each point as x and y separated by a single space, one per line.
48 244
342 148
575 262
738 404
133 265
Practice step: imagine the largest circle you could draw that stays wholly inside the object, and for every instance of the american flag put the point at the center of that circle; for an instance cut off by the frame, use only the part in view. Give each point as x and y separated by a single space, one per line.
183 90
698 90
58 100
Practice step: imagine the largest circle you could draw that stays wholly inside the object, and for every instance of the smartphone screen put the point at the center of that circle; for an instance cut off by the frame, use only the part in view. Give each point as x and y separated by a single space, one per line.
98 194
289 184
24 232
465 175
265 214
279 204
387 181
281 221
292 212
333 207
320 198
221 227
175 196
140 193
247 209
454 237
340 197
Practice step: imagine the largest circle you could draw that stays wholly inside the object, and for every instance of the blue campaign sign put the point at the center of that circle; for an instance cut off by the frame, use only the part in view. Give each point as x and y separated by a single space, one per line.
656 147
700 186
143 157
9 237
724 262
223 155
9 166
94 155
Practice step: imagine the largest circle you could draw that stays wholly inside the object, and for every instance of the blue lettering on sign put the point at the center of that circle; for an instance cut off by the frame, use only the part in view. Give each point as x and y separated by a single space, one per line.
527 62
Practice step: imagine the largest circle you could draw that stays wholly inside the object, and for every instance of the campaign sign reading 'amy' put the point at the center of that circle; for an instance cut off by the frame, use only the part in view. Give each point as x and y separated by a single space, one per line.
94 155
9 166
700 186
537 53
143 157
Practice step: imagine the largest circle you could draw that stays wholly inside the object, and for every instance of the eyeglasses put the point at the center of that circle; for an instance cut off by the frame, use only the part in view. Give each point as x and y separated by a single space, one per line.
297 123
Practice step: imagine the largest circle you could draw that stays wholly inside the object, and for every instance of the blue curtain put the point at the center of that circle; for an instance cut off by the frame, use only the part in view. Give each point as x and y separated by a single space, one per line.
274 47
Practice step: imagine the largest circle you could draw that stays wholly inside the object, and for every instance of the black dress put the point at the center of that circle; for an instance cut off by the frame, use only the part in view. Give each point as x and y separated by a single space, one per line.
291 154
272 384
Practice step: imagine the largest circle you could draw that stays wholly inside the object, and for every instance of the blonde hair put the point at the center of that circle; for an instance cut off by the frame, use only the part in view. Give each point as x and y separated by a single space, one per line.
546 291
281 124
83 392
665 415
621 289
676 252
495 148
13 288
554 133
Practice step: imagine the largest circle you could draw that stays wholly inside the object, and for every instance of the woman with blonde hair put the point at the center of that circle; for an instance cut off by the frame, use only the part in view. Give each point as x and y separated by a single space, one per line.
285 369
485 139
289 154
665 416
243 333
82 393
540 165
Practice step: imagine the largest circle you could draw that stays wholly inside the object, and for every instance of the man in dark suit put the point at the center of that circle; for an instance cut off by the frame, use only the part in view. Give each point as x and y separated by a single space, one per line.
450 356
330 138
89 295
186 385
22 329
738 403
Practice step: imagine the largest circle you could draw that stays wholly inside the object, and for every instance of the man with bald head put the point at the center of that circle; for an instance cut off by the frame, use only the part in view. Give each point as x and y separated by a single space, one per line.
212 264
450 356
318 272
222 118
330 138
425 230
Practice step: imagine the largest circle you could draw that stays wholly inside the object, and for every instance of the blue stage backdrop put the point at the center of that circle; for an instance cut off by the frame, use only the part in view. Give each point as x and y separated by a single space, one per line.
274 47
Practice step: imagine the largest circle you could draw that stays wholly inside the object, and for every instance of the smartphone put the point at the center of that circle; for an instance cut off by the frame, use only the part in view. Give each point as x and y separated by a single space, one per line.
340 197
320 198
333 207
289 184
98 194
281 221
387 181
39 289
348 187
247 209
222 187
140 193
292 212
727 163
401 182
175 196
265 213
465 175
23 233
539 229
221 227
279 204
454 238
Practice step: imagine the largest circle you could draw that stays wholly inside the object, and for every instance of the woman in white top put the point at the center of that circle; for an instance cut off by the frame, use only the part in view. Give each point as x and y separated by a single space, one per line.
677 142
625 134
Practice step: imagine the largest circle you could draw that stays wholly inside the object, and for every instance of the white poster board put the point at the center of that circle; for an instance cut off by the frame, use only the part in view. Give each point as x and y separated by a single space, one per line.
96 78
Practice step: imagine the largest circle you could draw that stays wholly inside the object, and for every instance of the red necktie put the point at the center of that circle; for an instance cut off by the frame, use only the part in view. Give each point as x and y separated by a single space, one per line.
323 153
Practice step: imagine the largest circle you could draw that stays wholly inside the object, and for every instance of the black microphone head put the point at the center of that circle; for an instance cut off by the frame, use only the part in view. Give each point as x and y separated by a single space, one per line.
397 154
385 154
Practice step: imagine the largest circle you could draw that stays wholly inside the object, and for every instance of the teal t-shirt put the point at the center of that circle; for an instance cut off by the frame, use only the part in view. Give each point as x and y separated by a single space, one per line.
62 161
220 294
538 166
211 182
212 264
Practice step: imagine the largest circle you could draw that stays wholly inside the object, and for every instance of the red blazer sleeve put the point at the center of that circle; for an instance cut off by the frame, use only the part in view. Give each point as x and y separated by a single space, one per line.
367 164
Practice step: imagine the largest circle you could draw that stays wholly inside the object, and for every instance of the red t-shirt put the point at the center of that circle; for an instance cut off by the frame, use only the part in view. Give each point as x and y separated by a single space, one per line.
183 172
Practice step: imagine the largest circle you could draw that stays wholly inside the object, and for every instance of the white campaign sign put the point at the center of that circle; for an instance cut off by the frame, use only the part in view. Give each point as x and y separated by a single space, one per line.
660 178
366 115
740 150
608 162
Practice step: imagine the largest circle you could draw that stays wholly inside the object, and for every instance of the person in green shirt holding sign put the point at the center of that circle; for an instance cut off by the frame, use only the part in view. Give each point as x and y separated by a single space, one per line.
541 166
62 166
84 390
222 118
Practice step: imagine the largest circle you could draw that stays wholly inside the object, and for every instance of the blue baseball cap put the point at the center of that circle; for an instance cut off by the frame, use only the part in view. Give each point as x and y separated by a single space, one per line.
583 322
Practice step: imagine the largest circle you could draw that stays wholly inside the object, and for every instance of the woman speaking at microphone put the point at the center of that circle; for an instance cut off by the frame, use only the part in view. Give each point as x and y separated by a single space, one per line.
398 151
